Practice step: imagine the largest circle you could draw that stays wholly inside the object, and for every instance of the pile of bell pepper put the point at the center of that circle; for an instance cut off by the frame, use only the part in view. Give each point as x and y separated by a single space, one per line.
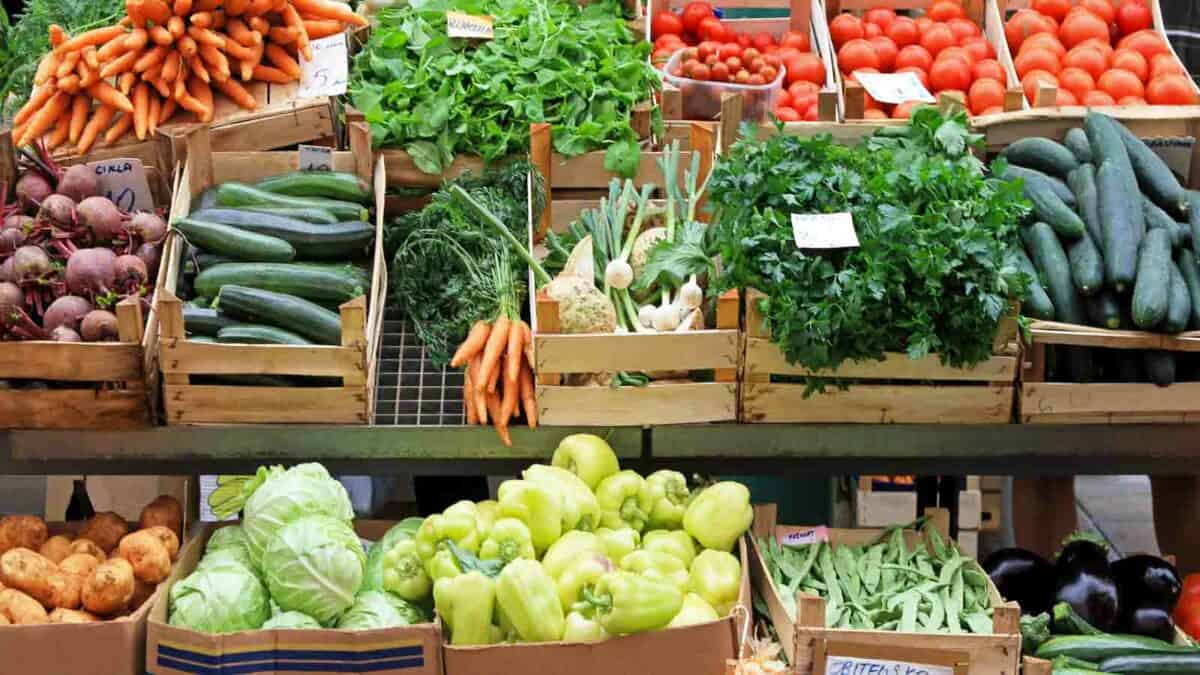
577 551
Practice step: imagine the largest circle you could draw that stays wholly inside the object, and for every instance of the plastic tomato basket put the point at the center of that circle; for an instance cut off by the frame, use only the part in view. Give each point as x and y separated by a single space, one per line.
702 99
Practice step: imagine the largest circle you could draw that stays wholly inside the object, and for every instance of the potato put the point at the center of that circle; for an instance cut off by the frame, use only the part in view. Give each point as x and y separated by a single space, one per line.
106 529
65 590
56 548
146 553
22 532
30 573
110 588
72 616
167 537
79 564
165 510
4 620
20 608
88 547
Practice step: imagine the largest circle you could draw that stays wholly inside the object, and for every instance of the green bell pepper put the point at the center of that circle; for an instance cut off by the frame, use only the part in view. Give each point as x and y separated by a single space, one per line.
579 628
695 610
675 542
631 603
488 512
583 572
719 515
466 603
572 546
664 499
527 596
716 576
658 565
535 506
456 524
619 542
404 574
618 497
508 540
580 507
443 564
586 456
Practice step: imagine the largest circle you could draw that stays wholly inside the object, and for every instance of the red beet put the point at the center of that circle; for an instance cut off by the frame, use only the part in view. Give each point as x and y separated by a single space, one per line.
11 239
130 272
64 334
6 270
102 217
11 297
17 222
66 311
150 256
148 227
99 326
91 272
30 262
79 182
58 209
32 190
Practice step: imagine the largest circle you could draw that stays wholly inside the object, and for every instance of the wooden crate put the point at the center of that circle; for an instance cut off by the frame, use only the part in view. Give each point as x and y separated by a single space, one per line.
807 641
281 120
354 361
882 508
917 391
1044 402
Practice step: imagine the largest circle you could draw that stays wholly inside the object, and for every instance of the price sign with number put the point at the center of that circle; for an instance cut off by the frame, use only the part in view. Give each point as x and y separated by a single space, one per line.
894 87
124 182
805 537
824 230
328 71
316 158
463 25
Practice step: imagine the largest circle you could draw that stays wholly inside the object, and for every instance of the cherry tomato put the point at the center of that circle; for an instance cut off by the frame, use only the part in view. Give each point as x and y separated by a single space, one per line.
757 80
701 72
693 14
712 60
729 49
719 72
668 40
707 49
690 54
773 60
692 65
750 53
665 23
734 63
755 66
762 40
663 53
743 40
769 73
742 77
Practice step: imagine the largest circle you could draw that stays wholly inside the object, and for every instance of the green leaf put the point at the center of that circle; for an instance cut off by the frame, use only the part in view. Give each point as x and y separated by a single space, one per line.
426 156
623 158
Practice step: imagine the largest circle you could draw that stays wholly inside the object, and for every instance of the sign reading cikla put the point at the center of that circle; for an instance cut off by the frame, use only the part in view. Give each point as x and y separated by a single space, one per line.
894 87
328 72
463 25
856 665
123 182
824 230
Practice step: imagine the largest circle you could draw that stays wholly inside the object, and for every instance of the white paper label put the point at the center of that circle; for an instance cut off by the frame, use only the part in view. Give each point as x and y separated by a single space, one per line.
316 158
463 25
124 182
328 72
1176 152
894 87
805 537
824 230
853 665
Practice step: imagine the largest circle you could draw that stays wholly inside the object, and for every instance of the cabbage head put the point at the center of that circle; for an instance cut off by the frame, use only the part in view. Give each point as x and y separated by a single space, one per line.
233 555
380 609
405 529
291 620
219 599
305 489
314 565
226 537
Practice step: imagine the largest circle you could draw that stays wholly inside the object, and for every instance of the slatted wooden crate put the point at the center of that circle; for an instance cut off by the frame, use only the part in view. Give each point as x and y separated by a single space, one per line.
881 508
353 361
280 120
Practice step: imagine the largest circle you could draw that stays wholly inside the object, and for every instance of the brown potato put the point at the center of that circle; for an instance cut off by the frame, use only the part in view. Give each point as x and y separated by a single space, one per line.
65 590
20 608
30 573
22 532
56 548
72 616
79 564
146 553
110 588
165 510
88 547
106 529
167 537
141 593
4 620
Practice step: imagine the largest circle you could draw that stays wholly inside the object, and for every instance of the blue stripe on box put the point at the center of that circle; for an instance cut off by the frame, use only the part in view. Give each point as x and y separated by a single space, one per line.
291 655
299 667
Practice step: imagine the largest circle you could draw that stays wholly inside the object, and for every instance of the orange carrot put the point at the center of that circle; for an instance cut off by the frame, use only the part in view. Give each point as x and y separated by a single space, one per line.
112 49
67 65
163 87
204 36
498 421
473 392
126 84
156 11
43 120
122 64
238 94
241 33
133 11
319 28
235 7
516 339
330 10
205 5
187 47
87 76
258 7
282 35
269 74
170 67
292 19
152 73
510 397
200 91
201 19
104 93
47 67
81 105
91 56
469 401
167 111
259 25
491 352
199 69
57 35
151 58
218 20
69 84
193 104
96 36
476 339
181 8
100 120
62 129
247 66
141 108
159 35
138 38
235 50
119 129
528 398
40 95
528 343
283 61
152 115
216 61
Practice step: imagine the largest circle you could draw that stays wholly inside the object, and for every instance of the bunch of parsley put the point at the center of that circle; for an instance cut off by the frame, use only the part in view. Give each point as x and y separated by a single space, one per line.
577 67
930 274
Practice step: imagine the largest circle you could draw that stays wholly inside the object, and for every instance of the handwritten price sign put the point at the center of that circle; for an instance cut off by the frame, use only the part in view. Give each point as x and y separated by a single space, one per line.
824 230
852 665
123 181
463 25
894 87
328 72
316 158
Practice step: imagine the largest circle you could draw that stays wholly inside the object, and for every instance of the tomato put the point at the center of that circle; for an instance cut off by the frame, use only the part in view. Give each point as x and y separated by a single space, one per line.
769 73
857 54
786 114
666 23
944 10
921 75
806 101
1033 79
762 40
873 114
963 29
950 73
773 60
937 38
712 60
663 53
1077 81
1036 59
1147 43
783 99
1044 41
668 40
742 40
871 30
750 54
1171 90
1096 97
811 115
993 110
693 14
1132 16
1134 62
734 63
1082 25
923 24
989 68
1056 9
688 66
807 68
880 16
979 48
720 72
886 50
800 88
742 77
1065 97
1120 84
757 80
903 31
796 40
956 53
844 28
1024 23
1165 64
711 28
1132 100
1101 46
701 72
1101 8
707 48
914 55
903 111
756 66
728 50
1084 57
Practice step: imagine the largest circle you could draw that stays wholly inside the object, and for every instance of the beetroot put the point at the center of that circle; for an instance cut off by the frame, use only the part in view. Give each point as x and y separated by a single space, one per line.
91 272
66 311
149 255
6 270
32 190
58 209
30 262
102 217
148 227
79 182
11 297
99 326
64 334
17 222
130 273
11 240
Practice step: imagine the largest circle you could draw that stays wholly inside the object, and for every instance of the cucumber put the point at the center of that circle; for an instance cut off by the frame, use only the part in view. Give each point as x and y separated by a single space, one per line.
240 194
1028 175
255 334
1103 309
1051 261
1083 183
1153 174
1107 144
305 213
1189 268
1048 208
1068 622
1151 663
202 339
1157 218
336 241
206 198
207 260
1101 647
235 242
1194 219
328 184
1151 293
298 315
204 321
1076 141
1042 154
1087 266
1038 304
1120 243
1179 309
311 282
1160 367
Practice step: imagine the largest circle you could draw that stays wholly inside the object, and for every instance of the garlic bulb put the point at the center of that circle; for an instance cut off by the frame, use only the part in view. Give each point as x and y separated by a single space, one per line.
646 314
666 317
618 274
690 294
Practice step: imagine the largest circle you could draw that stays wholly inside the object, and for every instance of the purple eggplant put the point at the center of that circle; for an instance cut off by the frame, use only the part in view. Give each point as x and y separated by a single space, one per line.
1084 580
1023 577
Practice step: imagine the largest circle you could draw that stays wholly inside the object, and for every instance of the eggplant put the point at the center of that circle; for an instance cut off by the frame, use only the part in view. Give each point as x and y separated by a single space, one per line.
1084 580
1150 621
1148 588
1023 577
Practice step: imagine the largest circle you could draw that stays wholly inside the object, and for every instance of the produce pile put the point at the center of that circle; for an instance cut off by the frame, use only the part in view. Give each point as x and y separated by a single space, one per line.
1088 615
884 585
270 263
1114 245
1097 53
437 97
104 571
69 255
136 73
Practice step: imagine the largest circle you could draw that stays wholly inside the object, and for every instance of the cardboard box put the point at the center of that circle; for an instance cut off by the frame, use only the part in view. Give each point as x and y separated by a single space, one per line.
692 650
171 650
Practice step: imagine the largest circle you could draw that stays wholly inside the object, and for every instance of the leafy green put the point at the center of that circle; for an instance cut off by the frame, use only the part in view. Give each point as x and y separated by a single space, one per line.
930 274
576 67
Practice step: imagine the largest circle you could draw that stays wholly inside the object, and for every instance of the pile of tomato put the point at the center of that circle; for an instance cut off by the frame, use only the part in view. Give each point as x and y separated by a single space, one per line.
1096 52
943 48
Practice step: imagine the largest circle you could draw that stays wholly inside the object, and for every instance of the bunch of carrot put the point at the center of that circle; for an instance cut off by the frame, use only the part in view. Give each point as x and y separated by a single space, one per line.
498 385
166 55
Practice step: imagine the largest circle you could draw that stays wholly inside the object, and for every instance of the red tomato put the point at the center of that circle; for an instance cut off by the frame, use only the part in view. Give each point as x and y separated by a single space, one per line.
1132 16
963 29
944 10
786 114
756 66
742 77
769 73
989 68
663 53
796 40
1134 62
689 66
811 115
871 30
706 49
784 99
857 54
1096 97
950 73
1171 90
734 63
979 48
903 111
806 68
762 40
701 72
729 49
772 60
720 72
801 87
668 40
805 101
937 38
956 53
914 55
886 50
693 14
874 114
1165 64
742 40
844 28
750 53
903 31
665 23
711 28
757 80
880 16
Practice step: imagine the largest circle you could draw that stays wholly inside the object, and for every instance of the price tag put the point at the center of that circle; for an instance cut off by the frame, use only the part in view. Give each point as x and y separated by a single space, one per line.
824 230
463 25
1176 152
814 535
855 665
124 182
894 87
316 158
328 72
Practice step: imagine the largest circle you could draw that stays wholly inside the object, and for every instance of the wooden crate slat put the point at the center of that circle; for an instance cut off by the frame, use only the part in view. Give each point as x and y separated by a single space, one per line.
1057 401
692 350
248 167
657 403
74 362
763 355
878 404
184 356
279 120
204 404
111 410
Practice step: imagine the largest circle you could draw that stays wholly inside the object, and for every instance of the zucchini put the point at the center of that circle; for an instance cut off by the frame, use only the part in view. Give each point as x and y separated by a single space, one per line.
255 334
206 260
1107 144
1189 268
336 241
1179 307
319 284
1103 309
1120 243
1153 174
239 194
1076 141
298 315
306 213
1049 208
328 184
1151 293
1194 219
1038 304
204 321
1028 175
1157 218
1083 183
1087 266
1160 366
1051 261
203 339
1133 664
1101 647
235 242
207 198
1042 154
1068 622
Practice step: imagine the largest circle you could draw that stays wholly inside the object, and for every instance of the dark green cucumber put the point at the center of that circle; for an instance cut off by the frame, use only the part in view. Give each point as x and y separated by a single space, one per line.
1160 367
1030 175
1189 268
1038 304
1152 663
202 339
1083 184
239 217
235 242
1120 242
328 184
1103 309
1106 141
257 334
1151 293
1157 218
298 315
1042 154
1101 647
1049 208
1087 265
239 194
1068 622
1179 311
207 260
1153 174
206 199
335 241
1076 141
1051 262
1194 219
307 214
312 282
204 321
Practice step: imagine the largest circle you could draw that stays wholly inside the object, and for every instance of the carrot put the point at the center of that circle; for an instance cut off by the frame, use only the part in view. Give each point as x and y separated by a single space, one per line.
91 57
258 7
205 5
330 10
87 76
81 105
283 61
528 344
218 64
187 47
141 108
204 36
44 119
176 27
319 28
119 129
46 68
469 401
159 35
57 35
474 392
150 59
292 19
235 7
69 84
269 74
491 352
201 19
200 91
67 65
516 339
156 11
37 99
476 339
235 50
282 35
163 87
152 73
100 119
96 36
138 38
112 49
122 64
193 104
528 399
125 22
199 69
62 129
498 421
181 8
152 115
510 397
278 5
126 84
180 90
238 94
259 25
247 66
170 67
133 11
241 33
167 111
104 93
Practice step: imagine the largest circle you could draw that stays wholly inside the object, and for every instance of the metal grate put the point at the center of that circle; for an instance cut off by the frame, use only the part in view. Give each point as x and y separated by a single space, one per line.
409 390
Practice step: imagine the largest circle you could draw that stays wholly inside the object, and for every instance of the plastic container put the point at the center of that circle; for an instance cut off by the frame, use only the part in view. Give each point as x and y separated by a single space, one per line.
702 99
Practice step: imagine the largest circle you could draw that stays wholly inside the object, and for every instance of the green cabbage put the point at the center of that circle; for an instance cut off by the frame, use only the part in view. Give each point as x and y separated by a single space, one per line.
380 609
226 537
314 565
234 555
291 620
283 496
405 529
219 599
